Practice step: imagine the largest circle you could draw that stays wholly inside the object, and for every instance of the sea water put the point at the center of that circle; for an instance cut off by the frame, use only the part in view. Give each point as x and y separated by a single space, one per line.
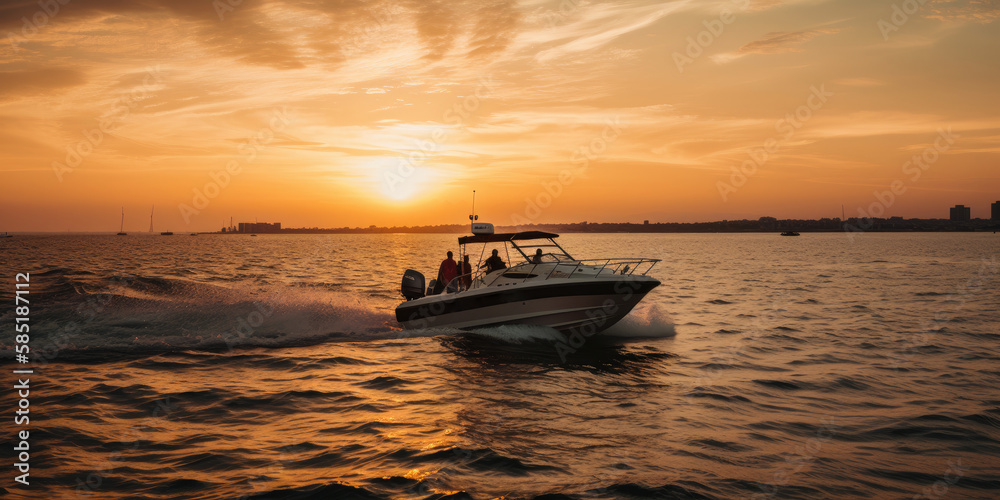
822 366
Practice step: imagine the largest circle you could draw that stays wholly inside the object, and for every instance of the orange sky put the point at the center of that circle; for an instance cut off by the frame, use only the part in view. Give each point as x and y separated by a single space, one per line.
391 113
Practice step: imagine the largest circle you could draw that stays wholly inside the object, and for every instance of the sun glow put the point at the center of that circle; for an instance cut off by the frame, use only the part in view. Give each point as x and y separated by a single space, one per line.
399 180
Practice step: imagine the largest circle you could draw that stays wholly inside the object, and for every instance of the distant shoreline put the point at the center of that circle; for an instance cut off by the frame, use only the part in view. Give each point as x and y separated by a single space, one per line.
763 225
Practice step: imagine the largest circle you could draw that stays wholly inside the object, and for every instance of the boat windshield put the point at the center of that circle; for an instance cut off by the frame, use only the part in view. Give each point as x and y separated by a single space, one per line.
551 251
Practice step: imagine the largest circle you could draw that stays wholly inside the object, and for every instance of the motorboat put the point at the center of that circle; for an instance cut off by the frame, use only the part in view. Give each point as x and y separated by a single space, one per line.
542 284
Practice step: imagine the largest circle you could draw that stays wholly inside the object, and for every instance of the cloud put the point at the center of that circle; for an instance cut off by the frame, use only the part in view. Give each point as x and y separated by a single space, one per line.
495 29
609 25
437 27
774 43
32 82
782 41
980 11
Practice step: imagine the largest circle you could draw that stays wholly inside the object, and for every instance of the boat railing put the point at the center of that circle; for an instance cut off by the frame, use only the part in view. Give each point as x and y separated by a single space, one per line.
626 266
463 282
600 267
621 266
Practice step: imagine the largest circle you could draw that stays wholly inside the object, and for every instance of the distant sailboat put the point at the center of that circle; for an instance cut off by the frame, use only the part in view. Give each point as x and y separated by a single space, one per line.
6 235
121 230
164 233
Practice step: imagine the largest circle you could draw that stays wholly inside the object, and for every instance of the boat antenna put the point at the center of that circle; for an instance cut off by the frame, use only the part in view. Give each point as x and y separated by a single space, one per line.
473 217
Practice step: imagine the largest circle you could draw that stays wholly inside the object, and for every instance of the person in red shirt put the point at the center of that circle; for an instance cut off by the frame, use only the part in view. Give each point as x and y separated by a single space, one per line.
448 271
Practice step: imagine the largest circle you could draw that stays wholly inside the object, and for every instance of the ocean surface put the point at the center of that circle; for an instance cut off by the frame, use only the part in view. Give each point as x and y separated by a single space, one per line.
265 367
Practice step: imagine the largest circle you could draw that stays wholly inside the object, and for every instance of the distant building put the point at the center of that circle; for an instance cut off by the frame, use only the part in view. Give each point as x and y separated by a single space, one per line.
259 227
995 211
961 213
645 222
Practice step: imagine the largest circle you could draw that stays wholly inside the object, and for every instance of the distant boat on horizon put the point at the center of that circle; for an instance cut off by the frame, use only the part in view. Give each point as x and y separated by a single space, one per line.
789 233
164 233
6 235
121 230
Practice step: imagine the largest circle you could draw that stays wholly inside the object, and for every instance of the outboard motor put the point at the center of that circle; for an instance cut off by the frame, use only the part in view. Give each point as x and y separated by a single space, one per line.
413 285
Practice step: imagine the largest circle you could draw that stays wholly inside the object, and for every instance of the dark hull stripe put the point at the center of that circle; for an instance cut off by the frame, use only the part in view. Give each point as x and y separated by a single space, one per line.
452 303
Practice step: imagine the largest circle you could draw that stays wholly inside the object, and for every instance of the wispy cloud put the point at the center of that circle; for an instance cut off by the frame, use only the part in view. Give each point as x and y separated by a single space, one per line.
775 43
605 26
980 11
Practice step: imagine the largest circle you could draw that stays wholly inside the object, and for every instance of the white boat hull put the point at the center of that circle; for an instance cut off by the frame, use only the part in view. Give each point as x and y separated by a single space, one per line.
585 305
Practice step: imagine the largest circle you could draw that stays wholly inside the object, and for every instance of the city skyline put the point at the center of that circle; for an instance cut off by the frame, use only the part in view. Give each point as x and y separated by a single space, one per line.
391 114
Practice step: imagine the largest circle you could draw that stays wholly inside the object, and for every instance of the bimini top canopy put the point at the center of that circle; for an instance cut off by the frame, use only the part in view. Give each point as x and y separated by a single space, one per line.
501 237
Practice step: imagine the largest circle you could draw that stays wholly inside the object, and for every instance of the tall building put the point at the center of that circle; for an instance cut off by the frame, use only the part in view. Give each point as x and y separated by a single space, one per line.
961 213
995 211
259 227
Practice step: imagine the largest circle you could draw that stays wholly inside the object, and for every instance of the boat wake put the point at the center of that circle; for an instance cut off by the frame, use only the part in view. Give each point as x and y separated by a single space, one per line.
86 315
646 322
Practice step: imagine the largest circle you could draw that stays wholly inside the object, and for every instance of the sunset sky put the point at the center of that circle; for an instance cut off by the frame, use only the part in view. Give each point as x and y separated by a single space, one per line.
390 113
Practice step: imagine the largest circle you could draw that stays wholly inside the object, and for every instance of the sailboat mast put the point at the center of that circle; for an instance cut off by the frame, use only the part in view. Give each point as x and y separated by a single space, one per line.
122 228
151 218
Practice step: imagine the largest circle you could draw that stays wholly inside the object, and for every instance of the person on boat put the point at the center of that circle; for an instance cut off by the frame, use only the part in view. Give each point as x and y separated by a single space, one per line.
494 262
537 259
447 272
466 269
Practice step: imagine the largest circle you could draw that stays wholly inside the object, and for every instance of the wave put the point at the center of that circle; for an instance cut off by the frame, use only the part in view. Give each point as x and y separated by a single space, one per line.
648 321
140 314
